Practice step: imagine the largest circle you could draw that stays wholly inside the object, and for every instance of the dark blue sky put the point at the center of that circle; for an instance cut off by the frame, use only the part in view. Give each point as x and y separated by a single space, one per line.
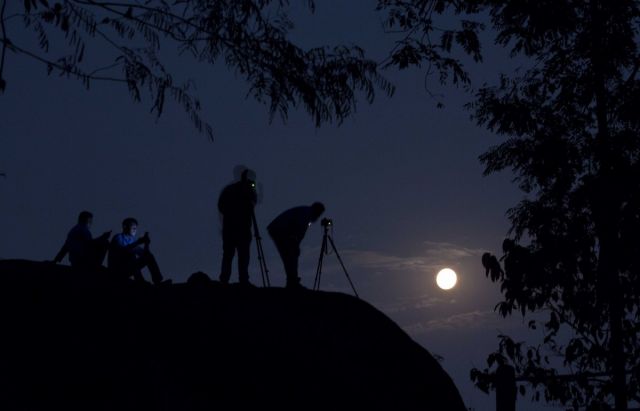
401 180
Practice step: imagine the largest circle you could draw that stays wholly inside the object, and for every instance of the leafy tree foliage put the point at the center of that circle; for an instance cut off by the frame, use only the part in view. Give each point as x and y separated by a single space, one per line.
572 133
249 36
426 39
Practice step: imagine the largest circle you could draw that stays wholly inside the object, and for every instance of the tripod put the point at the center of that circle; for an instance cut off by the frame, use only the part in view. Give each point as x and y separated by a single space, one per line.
326 238
264 271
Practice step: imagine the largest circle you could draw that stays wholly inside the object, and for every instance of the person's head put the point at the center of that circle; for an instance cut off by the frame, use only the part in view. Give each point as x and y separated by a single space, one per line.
85 218
248 176
317 209
243 173
130 226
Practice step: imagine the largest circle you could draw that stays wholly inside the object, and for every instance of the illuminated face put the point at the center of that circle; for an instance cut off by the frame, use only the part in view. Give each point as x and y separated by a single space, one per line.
131 230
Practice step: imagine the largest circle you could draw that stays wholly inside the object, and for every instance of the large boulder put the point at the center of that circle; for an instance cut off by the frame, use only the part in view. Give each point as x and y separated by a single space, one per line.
77 340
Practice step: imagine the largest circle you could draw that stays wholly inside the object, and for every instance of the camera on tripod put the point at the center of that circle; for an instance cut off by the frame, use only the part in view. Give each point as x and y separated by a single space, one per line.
324 250
326 222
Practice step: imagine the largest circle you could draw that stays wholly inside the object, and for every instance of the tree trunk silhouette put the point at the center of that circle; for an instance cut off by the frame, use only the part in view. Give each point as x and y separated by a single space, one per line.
607 214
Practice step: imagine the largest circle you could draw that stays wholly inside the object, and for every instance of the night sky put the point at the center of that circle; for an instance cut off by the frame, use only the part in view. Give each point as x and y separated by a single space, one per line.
401 180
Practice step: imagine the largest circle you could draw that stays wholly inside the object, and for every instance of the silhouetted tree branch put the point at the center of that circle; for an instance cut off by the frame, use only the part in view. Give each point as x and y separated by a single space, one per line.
424 43
249 36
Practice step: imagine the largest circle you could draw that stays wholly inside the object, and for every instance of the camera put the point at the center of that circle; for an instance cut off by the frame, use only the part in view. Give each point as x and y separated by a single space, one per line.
326 222
251 183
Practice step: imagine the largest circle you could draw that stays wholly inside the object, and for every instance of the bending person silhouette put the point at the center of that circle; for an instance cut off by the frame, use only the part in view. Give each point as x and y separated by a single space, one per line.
287 231
236 204
84 250
129 255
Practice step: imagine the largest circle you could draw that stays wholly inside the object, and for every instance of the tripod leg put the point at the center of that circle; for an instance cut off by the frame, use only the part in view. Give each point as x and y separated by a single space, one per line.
323 249
343 267
264 272
260 261
263 263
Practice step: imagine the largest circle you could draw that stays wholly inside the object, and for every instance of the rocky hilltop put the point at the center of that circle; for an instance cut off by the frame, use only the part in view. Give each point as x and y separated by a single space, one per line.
75 340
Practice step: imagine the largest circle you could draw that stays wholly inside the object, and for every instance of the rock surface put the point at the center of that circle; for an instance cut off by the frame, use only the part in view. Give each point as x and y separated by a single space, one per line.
73 340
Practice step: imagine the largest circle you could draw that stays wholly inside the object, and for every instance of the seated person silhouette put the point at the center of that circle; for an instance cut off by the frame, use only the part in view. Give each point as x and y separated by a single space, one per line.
128 255
287 231
84 251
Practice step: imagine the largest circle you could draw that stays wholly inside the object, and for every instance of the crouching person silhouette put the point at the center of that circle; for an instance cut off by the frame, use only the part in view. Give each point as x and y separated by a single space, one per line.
128 255
85 252
287 231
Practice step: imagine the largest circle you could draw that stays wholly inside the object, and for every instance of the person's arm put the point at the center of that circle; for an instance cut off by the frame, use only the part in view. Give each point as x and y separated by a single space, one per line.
118 240
103 238
301 223
300 230
135 244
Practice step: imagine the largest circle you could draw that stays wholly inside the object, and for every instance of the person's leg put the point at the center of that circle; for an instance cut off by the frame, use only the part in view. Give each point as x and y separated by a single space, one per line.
289 252
243 259
147 259
99 251
134 267
279 243
290 259
228 251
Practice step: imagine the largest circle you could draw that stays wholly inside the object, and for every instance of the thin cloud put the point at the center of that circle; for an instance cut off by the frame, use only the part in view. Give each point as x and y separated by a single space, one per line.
450 251
419 303
468 320
434 256
380 261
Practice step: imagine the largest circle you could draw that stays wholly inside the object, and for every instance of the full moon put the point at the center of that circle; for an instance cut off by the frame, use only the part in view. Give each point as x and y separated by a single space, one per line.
446 278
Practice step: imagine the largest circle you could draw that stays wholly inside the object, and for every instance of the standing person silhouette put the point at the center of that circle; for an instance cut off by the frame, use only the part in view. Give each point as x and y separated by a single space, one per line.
85 252
128 255
287 231
236 204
